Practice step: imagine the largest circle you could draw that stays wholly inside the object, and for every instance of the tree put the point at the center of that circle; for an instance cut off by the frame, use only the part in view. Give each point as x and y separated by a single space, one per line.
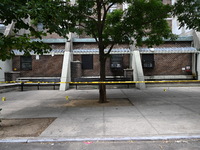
188 13
143 22
16 12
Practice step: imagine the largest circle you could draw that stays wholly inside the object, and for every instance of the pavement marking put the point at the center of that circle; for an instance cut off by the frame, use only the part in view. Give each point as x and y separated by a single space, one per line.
3 99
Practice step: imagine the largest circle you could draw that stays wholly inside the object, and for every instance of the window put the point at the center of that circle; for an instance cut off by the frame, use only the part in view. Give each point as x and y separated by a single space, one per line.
87 61
40 27
116 61
148 60
26 62
112 8
2 28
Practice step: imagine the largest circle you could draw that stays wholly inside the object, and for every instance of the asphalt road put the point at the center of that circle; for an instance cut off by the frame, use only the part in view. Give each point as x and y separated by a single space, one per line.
107 145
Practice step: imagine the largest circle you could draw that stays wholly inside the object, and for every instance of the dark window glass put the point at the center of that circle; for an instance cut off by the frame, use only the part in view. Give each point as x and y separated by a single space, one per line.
87 61
148 60
26 62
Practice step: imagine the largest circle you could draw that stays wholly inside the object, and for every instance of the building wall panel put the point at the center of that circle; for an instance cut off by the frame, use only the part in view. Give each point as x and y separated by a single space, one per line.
170 64
46 66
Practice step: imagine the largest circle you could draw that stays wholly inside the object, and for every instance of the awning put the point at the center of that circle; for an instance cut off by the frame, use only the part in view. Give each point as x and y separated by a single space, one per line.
50 40
164 50
168 50
54 52
92 40
96 51
142 50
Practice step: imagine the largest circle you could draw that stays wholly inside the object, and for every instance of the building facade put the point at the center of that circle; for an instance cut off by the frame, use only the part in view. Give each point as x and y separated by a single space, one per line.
78 59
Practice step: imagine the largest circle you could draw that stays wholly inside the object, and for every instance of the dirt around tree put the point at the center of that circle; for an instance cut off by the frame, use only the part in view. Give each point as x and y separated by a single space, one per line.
28 127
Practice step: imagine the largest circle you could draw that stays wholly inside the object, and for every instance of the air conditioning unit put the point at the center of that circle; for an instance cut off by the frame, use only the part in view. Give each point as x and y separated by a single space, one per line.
116 65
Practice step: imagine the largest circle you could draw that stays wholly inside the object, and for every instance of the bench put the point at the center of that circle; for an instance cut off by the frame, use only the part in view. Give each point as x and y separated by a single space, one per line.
88 80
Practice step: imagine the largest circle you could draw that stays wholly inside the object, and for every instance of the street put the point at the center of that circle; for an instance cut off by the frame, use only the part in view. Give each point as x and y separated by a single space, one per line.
107 145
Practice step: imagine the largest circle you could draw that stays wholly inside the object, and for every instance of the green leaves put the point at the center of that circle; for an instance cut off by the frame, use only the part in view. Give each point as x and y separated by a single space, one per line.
188 13
114 31
14 11
53 14
144 19
147 21
18 11
21 43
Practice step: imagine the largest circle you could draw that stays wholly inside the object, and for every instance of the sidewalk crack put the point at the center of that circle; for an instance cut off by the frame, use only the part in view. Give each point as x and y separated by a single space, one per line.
147 120
104 122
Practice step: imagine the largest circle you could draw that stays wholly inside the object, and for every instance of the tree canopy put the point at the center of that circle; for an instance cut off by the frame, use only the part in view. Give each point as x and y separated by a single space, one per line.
143 18
188 13
16 12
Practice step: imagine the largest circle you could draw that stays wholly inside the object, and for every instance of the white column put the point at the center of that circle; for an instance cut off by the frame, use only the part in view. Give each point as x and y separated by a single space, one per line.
131 60
73 2
66 71
193 68
196 40
66 67
9 29
138 74
198 66
5 66
173 1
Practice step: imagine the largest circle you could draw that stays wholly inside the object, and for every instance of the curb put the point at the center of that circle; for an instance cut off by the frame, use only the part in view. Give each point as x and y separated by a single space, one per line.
46 140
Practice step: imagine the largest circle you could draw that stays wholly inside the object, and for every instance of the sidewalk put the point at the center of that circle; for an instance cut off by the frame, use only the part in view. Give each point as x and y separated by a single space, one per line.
156 113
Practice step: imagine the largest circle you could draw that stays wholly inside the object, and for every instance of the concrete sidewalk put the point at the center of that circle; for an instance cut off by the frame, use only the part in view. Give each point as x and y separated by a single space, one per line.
157 113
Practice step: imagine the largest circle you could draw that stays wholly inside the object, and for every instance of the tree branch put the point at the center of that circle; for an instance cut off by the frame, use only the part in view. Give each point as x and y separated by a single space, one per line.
106 11
111 47
99 19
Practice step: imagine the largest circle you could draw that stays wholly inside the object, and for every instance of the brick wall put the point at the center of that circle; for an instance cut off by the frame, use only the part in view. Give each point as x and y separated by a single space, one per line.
57 45
52 36
95 71
167 2
173 44
46 66
95 46
85 46
169 64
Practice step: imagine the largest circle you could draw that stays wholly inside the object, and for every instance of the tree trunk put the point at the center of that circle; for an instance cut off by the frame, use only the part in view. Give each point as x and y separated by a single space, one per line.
102 87
102 93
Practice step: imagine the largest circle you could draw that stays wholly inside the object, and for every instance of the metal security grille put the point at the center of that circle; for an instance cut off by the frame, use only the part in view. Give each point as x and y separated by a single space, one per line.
26 62
116 61
8 77
148 61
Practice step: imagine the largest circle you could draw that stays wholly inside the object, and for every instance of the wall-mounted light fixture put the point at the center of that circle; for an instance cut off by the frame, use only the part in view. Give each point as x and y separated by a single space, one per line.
52 54
151 49
37 57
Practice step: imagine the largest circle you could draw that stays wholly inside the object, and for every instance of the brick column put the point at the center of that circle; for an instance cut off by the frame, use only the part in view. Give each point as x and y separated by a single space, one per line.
76 70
